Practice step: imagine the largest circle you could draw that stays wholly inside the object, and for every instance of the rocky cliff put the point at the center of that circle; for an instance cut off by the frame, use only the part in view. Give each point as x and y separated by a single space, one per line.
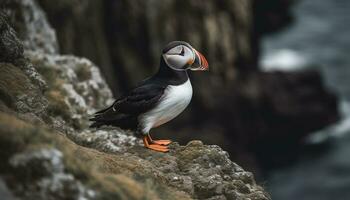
254 114
46 150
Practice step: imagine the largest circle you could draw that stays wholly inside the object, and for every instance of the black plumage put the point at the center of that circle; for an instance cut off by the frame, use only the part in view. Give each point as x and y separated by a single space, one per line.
124 112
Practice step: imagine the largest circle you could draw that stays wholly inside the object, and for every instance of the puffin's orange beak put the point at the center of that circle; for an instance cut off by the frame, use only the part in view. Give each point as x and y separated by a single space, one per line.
200 62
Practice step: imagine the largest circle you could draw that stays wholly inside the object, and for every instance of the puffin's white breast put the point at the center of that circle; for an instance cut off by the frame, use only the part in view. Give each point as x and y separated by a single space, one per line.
174 100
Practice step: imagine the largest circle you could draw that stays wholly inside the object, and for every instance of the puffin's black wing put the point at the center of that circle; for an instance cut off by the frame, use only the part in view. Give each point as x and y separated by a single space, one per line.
125 110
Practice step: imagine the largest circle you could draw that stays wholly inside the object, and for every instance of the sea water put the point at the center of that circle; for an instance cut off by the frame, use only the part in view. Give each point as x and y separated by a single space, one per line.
318 39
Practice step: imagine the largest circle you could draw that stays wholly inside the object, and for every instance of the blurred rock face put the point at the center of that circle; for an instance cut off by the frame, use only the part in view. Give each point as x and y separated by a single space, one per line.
131 34
219 29
272 15
45 100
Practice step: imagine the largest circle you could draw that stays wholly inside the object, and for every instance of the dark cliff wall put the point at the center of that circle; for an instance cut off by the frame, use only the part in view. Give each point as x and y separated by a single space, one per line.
126 36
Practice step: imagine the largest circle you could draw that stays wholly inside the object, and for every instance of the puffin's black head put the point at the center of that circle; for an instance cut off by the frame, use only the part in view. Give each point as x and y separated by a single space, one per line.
180 56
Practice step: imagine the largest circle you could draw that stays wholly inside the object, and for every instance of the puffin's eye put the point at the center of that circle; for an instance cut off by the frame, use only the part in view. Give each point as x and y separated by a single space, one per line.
182 53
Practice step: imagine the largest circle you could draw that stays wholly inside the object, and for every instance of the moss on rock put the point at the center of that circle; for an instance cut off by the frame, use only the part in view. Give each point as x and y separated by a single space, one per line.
112 176
18 92
139 174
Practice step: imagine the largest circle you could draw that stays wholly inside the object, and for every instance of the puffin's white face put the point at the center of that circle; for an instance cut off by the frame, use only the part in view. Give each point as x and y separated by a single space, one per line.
179 57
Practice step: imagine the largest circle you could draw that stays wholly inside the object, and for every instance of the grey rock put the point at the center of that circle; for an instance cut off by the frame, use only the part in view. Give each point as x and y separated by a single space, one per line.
41 175
106 139
21 84
19 92
49 161
11 47
204 171
81 35
75 91
5 192
31 24
76 87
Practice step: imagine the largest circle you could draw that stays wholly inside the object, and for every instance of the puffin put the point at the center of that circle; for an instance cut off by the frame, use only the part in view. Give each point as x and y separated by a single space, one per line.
157 99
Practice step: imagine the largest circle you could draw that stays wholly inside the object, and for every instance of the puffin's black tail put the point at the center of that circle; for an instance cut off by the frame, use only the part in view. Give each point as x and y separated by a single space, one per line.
96 124
109 117
100 118
104 118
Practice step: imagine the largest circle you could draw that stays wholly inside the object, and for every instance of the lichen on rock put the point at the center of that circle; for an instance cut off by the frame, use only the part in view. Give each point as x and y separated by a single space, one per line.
106 139
47 179
10 46
204 171
45 160
76 88
31 24
19 93
75 91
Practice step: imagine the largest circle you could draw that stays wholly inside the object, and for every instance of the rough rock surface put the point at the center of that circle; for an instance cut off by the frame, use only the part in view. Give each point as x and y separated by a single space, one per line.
49 163
31 24
45 177
45 100
205 172
10 48
75 86
21 85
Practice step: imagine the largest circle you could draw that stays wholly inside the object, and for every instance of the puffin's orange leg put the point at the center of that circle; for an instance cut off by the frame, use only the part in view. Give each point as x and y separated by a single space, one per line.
159 142
155 147
162 142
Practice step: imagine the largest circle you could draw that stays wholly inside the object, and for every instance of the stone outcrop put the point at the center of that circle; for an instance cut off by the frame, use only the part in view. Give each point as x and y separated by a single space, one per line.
47 152
44 164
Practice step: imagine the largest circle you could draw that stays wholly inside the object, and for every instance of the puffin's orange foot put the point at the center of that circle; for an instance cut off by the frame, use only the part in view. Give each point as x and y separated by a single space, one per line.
161 142
157 147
